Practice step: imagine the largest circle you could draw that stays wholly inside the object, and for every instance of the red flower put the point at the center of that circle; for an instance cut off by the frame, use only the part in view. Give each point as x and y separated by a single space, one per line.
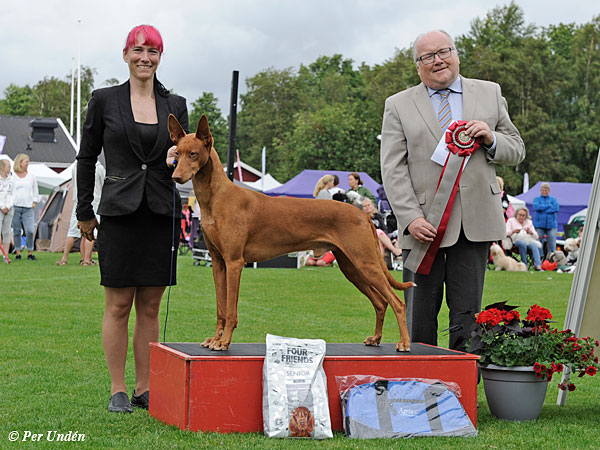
537 367
576 347
559 367
571 387
538 314
591 370
562 386
490 317
509 316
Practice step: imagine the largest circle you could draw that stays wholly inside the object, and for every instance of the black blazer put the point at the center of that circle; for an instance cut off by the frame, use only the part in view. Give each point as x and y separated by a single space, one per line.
109 124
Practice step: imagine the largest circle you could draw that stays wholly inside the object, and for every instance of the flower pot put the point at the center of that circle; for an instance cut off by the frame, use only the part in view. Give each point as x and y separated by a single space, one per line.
513 393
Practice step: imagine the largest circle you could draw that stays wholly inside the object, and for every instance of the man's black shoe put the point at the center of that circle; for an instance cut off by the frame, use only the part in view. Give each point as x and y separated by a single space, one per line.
31 257
119 402
140 401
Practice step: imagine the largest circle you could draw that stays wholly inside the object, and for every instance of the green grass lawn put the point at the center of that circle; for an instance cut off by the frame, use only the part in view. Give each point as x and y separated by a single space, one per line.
53 375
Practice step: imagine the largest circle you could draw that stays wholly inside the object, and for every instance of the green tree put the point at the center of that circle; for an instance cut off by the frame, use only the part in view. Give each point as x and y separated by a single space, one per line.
267 113
50 97
207 104
17 101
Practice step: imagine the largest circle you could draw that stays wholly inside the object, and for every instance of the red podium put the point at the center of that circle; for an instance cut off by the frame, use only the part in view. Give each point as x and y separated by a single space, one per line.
201 390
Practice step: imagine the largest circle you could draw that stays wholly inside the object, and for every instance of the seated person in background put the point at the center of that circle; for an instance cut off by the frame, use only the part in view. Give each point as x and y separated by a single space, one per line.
522 232
322 187
325 260
377 219
356 185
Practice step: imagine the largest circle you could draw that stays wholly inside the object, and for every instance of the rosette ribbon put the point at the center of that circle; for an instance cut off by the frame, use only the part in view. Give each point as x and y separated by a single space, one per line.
460 146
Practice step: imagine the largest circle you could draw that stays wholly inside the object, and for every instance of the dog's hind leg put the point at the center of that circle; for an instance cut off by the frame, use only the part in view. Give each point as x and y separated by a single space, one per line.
357 279
233 275
220 278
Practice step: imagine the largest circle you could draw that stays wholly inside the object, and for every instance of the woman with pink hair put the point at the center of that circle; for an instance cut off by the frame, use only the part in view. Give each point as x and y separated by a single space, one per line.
138 207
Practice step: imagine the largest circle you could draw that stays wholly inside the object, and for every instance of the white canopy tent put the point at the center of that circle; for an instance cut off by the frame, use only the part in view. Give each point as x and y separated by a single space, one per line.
269 183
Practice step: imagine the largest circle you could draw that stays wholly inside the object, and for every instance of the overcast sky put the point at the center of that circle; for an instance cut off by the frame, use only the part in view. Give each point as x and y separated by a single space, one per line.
205 40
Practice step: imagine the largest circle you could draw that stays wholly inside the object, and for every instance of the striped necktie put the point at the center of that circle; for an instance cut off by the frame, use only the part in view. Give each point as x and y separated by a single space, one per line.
444 113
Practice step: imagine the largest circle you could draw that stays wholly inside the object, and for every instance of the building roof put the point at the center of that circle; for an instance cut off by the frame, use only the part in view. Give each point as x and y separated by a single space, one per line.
57 154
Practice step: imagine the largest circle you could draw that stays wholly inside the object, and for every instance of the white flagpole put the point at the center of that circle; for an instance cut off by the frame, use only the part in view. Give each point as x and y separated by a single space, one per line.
72 93
78 84
264 167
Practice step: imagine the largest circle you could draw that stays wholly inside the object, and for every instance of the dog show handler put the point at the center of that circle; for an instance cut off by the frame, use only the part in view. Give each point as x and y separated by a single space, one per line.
137 208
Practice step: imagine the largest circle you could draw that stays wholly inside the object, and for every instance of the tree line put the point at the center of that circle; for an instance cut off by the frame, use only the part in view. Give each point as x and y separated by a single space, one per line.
327 114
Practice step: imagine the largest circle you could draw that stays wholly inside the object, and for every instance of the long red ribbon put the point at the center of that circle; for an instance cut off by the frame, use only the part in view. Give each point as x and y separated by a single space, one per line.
427 262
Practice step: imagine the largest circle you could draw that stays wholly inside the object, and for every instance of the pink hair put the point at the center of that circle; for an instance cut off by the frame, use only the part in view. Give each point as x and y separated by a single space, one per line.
151 36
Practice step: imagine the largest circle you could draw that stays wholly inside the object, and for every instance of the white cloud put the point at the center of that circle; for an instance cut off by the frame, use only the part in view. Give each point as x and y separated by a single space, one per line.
205 40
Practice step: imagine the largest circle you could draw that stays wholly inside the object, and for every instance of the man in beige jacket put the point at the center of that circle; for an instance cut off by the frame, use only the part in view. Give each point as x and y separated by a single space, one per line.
412 128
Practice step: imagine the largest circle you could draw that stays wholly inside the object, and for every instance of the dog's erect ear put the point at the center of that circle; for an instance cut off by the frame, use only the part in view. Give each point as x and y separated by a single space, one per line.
175 129
203 132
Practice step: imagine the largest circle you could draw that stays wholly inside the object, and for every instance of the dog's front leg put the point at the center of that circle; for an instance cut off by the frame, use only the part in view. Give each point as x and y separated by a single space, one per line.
220 278
233 275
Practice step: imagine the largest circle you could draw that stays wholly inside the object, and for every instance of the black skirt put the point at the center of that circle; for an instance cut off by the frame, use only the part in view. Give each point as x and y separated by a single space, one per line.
136 249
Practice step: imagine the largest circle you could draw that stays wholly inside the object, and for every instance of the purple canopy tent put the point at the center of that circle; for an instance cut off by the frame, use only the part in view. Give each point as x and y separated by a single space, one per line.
303 184
571 197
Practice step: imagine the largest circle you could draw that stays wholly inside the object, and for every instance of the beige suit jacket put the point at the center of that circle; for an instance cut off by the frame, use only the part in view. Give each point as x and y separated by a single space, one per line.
409 136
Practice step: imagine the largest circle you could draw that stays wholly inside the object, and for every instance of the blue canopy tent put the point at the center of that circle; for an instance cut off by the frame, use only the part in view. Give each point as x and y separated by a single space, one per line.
571 197
303 184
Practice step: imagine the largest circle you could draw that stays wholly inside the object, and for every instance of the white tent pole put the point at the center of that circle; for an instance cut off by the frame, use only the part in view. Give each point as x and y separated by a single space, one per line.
72 93
78 84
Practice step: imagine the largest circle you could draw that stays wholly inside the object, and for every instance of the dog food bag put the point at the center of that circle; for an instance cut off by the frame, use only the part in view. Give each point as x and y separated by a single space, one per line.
295 389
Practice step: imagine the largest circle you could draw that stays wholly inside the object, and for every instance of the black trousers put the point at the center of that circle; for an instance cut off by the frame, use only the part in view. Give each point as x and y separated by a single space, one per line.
461 268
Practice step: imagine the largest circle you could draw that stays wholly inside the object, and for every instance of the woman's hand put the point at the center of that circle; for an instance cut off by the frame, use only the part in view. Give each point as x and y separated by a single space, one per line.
171 156
87 228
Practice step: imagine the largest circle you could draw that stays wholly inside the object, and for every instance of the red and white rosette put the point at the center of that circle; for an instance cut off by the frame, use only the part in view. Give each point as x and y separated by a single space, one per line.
460 146
458 141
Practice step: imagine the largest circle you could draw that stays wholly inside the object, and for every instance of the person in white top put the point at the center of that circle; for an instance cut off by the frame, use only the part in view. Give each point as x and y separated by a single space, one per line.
86 247
7 199
26 196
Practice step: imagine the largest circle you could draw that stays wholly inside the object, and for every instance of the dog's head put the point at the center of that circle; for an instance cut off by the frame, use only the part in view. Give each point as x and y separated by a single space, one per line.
193 150
558 257
571 245
496 250
302 422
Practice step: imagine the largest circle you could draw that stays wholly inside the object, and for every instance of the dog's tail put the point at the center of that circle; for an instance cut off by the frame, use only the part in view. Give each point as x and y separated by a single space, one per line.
393 282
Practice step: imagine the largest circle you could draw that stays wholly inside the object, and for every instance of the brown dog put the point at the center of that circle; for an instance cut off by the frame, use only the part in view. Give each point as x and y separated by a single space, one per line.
241 226
302 422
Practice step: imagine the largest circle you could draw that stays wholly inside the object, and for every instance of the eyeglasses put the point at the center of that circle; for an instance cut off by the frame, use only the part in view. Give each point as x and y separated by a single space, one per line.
430 57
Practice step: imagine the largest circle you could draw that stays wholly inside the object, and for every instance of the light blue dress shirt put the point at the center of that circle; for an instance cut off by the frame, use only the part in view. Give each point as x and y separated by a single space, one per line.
455 100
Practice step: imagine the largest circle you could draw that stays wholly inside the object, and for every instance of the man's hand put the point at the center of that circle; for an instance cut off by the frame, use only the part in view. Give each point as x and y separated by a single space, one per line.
171 155
477 128
87 228
422 230
5 210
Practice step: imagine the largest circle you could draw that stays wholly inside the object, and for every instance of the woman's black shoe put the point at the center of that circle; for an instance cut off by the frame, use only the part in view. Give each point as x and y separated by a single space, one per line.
119 402
140 401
